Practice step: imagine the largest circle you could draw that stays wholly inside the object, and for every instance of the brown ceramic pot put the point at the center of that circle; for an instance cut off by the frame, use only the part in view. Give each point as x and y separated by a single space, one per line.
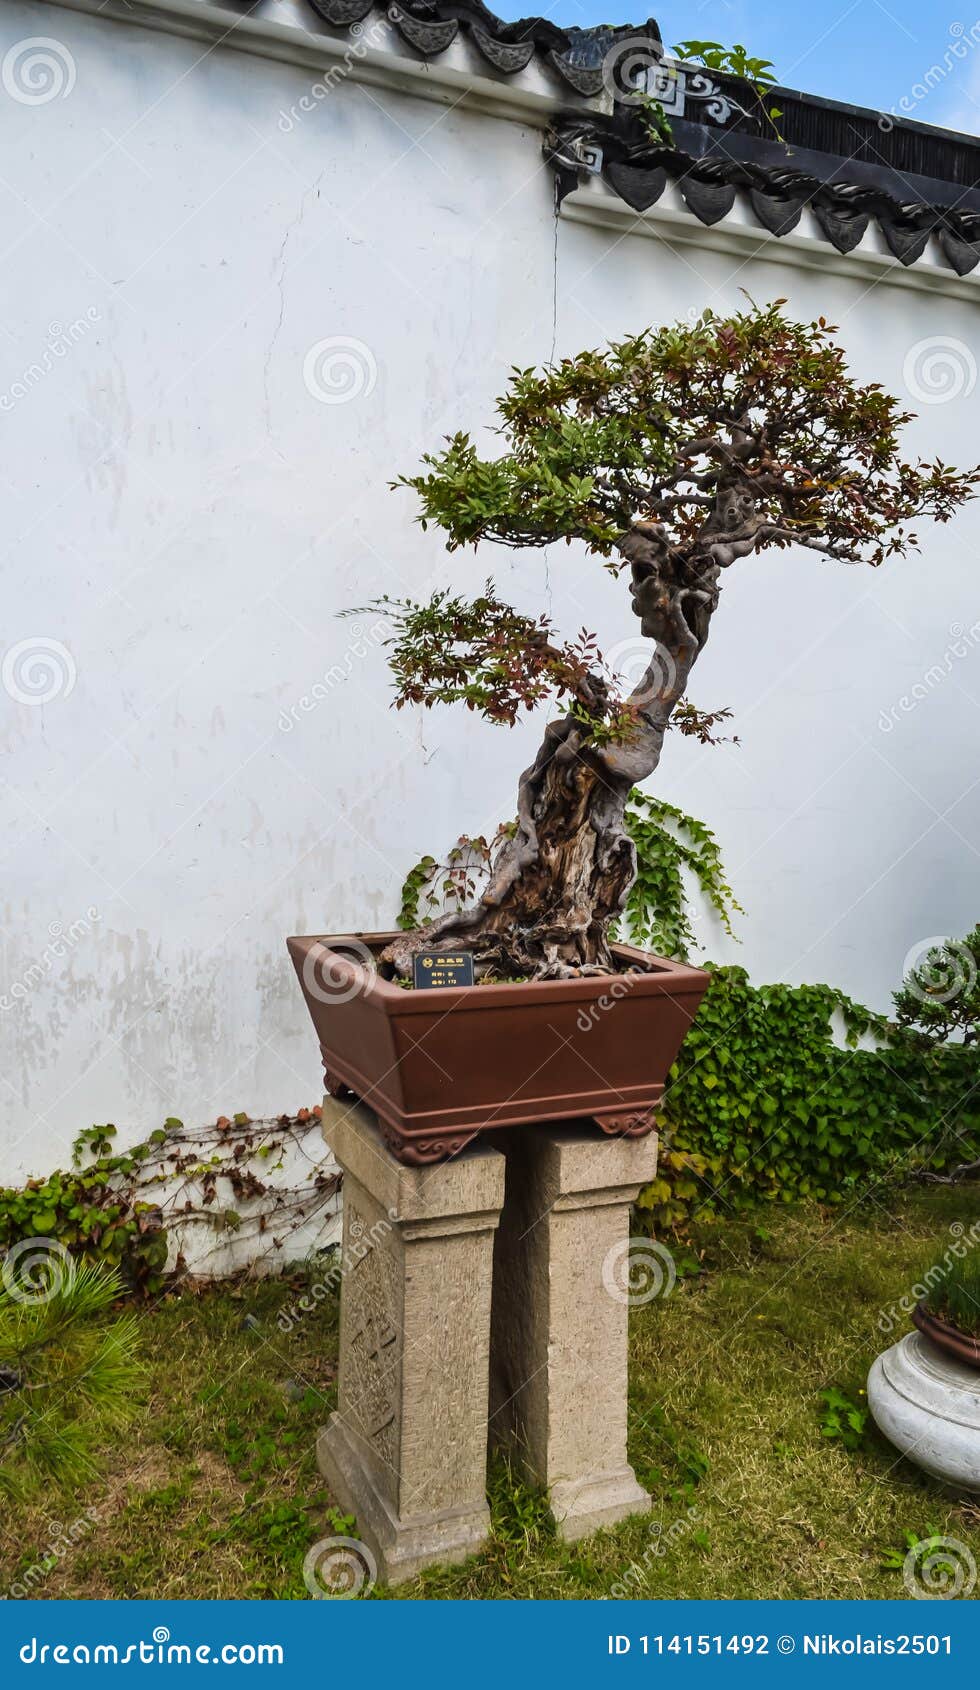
438 1066
946 1337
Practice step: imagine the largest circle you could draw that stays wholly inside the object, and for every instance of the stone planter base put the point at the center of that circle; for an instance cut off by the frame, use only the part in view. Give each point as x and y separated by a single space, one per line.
928 1405
558 1360
423 1266
406 1450
403 1545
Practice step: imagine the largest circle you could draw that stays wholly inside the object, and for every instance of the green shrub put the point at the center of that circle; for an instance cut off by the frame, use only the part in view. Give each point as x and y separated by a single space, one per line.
762 1103
69 1371
940 995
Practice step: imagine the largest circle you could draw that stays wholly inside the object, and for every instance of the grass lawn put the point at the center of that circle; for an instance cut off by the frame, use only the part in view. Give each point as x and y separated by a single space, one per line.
214 1492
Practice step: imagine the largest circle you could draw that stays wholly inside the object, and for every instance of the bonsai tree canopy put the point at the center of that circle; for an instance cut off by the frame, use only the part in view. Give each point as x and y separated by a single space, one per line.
673 456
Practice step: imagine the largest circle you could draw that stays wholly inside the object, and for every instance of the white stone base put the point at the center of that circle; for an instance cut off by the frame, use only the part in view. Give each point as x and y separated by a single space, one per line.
402 1548
406 1451
558 1368
928 1406
580 1507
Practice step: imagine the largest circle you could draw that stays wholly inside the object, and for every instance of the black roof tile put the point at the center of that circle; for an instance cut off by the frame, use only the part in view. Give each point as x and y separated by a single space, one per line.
847 163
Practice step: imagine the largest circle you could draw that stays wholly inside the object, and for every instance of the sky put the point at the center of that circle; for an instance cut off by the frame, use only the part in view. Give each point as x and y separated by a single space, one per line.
868 52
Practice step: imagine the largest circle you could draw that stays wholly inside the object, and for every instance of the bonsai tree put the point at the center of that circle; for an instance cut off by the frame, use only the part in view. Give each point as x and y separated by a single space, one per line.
672 456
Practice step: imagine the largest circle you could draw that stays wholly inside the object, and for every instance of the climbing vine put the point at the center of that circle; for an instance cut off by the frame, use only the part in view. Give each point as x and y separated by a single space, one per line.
735 61
670 844
122 1208
758 76
93 1210
764 1102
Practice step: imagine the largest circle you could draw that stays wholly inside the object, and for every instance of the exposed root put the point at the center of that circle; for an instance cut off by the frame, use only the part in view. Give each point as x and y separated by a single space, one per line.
504 955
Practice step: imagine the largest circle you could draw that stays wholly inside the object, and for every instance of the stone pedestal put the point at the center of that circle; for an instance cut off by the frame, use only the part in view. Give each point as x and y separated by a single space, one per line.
928 1405
406 1450
559 1328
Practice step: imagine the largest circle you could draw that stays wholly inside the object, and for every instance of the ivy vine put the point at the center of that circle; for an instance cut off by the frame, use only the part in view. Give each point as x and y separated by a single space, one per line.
764 1103
668 844
117 1207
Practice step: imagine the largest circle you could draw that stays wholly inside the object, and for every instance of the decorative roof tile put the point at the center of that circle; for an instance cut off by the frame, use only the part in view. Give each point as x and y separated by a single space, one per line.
578 56
430 36
849 165
342 13
776 211
507 57
716 161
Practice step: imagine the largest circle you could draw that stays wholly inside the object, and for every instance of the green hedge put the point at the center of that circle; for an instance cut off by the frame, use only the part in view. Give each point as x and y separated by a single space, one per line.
763 1104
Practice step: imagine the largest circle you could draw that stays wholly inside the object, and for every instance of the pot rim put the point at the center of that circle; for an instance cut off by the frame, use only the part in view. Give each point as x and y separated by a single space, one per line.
961 1344
665 977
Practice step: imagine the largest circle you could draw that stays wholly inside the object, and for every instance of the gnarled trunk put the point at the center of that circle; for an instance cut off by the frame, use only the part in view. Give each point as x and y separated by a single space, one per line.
558 884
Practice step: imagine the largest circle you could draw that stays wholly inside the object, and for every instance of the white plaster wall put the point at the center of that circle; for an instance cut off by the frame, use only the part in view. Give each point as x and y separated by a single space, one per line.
186 519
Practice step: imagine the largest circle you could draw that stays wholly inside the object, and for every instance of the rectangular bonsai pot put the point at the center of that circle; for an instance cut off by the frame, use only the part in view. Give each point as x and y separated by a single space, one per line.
438 1066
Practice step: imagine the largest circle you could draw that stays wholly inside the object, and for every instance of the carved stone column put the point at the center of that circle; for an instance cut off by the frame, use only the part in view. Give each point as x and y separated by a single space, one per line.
406 1450
559 1330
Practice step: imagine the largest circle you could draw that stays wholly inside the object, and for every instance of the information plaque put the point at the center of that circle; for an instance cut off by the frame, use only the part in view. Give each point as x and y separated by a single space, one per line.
443 968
